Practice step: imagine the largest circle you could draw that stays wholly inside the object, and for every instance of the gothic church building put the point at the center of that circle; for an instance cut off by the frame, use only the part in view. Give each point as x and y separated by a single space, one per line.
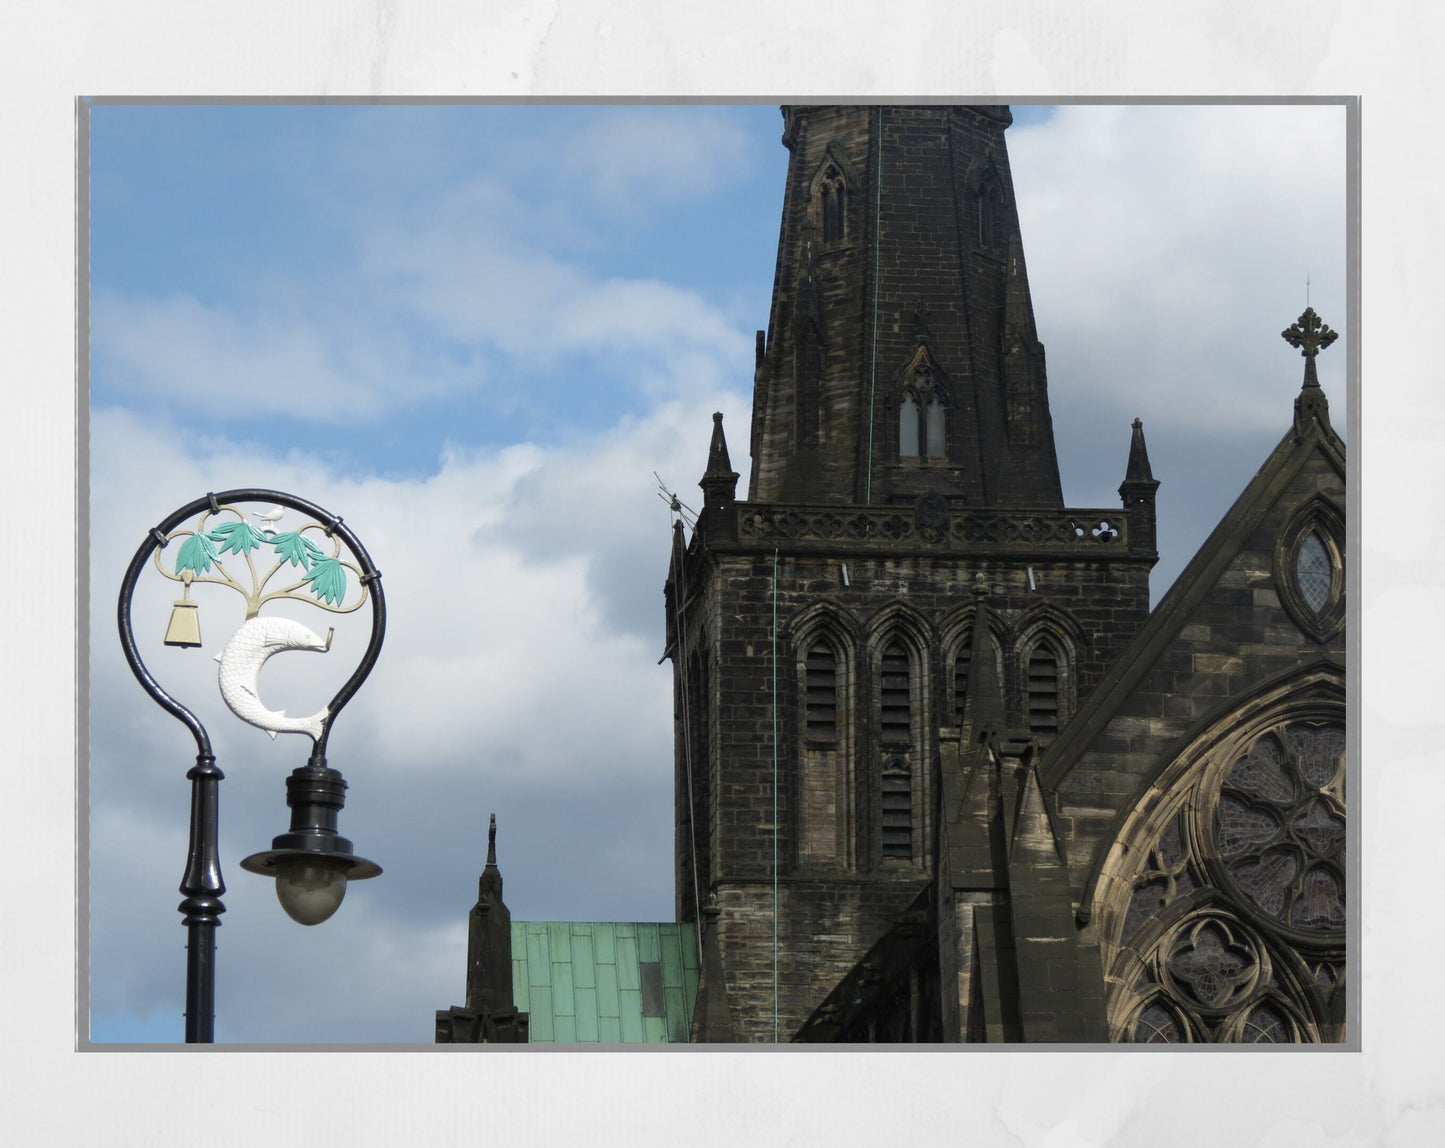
941 775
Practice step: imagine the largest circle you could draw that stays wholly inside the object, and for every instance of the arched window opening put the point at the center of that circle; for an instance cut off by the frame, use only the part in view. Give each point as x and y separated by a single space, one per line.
936 437
1158 1024
1227 924
834 206
908 426
822 692
825 782
1043 691
922 417
1314 572
897 792
988 204
897 708
1266 1025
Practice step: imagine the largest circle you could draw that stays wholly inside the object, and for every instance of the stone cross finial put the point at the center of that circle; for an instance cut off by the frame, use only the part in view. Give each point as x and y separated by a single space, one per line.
1311 336
1309 333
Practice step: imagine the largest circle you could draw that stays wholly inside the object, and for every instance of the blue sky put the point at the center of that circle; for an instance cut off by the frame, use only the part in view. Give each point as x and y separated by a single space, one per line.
225 208
476 332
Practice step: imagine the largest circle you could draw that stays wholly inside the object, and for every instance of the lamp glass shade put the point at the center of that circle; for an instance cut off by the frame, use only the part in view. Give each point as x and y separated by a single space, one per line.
310 889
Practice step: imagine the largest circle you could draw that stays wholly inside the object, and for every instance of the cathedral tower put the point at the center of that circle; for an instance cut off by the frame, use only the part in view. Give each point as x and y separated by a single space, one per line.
903 485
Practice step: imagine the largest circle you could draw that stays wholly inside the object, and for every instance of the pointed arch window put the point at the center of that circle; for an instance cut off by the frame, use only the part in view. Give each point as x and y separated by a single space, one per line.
833 204
897 794
896 786
1043 690
935 437
909 420
1227 921
988 212
897 707
1309 571
1314 572
922 418
821 677
825 793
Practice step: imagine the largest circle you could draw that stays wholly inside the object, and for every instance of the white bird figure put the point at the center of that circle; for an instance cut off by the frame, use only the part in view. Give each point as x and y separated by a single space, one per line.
270 517
241 662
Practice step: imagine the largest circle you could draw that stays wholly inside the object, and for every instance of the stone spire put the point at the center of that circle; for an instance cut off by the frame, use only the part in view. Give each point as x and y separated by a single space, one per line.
489 938
489 1016
900 281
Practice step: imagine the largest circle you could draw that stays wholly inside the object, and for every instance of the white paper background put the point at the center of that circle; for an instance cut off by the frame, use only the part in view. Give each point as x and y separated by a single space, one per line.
1392 1093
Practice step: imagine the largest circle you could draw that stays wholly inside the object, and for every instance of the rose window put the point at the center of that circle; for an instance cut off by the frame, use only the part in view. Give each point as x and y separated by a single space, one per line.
1279 826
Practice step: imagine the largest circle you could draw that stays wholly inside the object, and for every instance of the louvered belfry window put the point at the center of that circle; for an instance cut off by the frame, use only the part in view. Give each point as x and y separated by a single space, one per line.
897 810
897 724
822 692
896 729
1043 691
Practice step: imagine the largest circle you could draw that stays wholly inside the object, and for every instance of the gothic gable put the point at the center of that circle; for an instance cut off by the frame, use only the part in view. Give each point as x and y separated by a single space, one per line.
1203 782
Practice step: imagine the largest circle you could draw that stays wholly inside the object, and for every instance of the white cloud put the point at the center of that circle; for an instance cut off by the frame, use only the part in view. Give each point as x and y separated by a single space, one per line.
303 360
519 672
521 581
468 276
441 301
1168 247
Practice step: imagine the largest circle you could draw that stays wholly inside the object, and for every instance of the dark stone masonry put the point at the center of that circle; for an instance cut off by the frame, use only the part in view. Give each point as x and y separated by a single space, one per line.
941 774
909 832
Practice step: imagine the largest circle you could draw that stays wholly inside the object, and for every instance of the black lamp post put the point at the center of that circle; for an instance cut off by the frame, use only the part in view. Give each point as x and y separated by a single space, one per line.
312 862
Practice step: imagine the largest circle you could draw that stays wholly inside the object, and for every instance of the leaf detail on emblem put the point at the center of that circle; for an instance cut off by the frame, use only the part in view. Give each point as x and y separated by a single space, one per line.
196 554
296 550
237 537
328 580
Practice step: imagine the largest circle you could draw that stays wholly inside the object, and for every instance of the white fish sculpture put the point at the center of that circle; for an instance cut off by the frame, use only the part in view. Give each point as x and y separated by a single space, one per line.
241 662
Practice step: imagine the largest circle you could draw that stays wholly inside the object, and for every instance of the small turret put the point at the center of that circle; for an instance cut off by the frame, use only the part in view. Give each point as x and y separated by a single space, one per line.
1138 489
718 520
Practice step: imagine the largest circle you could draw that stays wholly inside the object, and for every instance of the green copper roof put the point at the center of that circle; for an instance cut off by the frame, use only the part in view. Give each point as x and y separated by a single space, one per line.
603 982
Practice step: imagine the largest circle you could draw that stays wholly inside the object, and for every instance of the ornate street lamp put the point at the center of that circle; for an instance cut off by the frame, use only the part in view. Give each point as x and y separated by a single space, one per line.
317 559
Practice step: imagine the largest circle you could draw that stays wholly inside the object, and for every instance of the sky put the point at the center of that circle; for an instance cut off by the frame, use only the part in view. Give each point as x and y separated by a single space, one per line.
478 333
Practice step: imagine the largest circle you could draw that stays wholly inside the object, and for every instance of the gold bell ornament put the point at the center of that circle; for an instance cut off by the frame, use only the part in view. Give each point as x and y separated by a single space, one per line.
185 626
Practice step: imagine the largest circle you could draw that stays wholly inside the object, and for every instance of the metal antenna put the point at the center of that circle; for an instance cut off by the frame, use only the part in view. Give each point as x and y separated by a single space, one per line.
675 504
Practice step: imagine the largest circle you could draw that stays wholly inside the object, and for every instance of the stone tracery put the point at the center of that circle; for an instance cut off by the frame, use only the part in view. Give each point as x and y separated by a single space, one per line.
1234 925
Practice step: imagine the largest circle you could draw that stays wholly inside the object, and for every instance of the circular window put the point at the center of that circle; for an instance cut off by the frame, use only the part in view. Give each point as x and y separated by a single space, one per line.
1279 826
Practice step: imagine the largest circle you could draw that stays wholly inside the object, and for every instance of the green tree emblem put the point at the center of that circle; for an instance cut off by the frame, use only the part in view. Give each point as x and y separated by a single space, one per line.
323 575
